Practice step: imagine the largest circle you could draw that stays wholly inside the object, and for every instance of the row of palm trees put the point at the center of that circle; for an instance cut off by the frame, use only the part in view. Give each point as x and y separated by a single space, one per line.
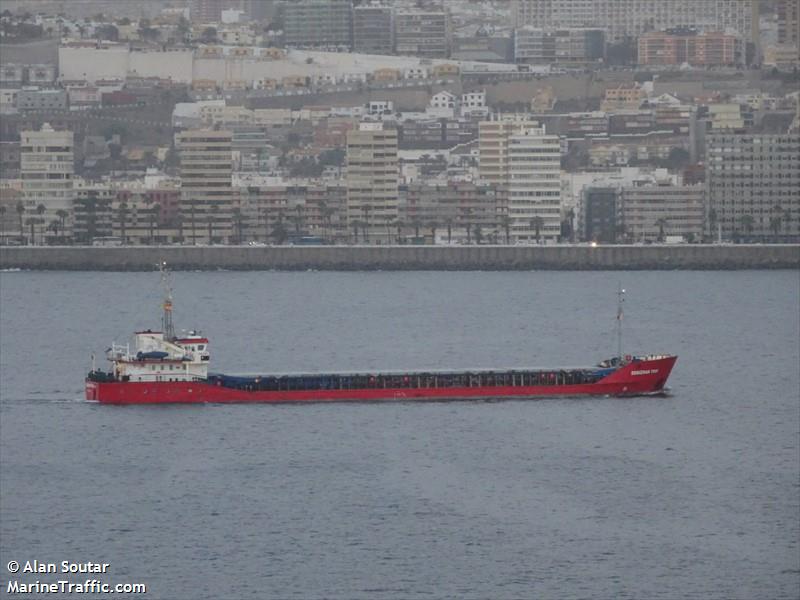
281 229
472 230
277 231
779 218
56 225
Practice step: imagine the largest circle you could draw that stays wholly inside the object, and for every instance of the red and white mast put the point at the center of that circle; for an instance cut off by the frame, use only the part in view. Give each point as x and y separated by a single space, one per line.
166 320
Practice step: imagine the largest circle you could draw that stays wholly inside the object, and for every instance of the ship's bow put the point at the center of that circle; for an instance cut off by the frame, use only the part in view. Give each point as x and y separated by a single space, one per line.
647 375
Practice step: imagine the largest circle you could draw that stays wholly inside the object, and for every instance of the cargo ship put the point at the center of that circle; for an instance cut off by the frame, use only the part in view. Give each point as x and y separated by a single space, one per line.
163 368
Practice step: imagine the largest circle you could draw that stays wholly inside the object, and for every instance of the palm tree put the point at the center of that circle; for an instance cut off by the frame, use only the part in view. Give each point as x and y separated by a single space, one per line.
53 226
153 213
449 223
712 221
505 222
265 214
90 205
322 207
536 224
327 215
478 233
239 220
2 223
40 211
416 225
661 224
296 222
31 222
122 213
62 215
570 227
775 225
747 223
775 221
388 230
279 233
299 218
211 217
399 224
620 231
366 209
433 226
179 225
192 221
20 213
465 221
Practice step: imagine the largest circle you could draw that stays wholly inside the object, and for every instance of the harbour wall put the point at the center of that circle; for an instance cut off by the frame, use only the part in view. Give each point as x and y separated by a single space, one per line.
438 258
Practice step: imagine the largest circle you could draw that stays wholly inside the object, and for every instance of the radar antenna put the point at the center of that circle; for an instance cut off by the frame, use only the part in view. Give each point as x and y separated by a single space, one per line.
166 320
620 300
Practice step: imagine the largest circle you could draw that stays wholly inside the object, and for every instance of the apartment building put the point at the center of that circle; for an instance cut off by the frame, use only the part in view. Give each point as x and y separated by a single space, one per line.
753 185
493 135
210 11
519 158
598 214
788 14
631 18
46 170
323 24
453 209
688 46
207 196
649 213
624 96
558 46
373 29
274 209
422 33
534 185
372 179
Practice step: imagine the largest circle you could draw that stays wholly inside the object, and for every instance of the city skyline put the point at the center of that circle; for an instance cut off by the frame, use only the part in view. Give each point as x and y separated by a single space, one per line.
501 121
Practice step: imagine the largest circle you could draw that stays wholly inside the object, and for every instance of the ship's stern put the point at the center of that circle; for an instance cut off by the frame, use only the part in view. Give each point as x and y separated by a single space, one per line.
92 390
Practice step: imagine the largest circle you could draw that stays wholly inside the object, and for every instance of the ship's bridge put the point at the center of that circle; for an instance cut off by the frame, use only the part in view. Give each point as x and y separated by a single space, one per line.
155 358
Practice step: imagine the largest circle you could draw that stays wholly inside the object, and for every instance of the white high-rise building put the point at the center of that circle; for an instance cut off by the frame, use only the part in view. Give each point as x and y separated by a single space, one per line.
534 185
47 168
523 163
493 146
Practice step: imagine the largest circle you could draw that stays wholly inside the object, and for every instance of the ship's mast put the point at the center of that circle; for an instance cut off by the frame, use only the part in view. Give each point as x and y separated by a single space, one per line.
166 320
620 300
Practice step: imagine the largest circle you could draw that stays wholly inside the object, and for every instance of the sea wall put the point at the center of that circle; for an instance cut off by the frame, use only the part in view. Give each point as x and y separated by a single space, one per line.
141 258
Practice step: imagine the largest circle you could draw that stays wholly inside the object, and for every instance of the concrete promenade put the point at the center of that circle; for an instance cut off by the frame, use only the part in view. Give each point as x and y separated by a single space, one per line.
430 258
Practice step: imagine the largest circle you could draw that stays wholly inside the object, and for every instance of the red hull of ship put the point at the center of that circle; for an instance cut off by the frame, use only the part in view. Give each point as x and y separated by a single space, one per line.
638 378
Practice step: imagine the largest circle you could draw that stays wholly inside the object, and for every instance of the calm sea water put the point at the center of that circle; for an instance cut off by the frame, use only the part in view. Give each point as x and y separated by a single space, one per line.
696 495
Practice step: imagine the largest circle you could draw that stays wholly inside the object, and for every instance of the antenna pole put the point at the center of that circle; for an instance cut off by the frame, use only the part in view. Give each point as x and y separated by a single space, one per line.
166 320
620 300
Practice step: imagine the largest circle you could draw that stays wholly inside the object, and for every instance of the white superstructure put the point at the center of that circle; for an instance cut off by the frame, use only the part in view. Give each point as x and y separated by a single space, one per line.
155 358
161 355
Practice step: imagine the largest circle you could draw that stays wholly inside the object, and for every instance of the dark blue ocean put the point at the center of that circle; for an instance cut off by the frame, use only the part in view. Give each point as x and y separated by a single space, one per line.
696 495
